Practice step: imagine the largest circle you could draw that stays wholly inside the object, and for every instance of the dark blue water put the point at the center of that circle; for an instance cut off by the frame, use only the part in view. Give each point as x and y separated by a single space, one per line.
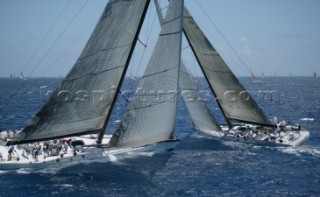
199 166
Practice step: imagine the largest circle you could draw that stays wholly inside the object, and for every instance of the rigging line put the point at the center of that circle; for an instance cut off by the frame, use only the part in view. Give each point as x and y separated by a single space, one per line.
46 35
144 49
56 40
224 38
64 53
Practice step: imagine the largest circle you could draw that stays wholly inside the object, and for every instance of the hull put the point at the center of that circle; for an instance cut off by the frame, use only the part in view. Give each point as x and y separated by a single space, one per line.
79 154
288 136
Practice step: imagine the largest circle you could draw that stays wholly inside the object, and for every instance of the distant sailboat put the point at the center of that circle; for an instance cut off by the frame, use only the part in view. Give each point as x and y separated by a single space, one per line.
22 76
314 74
254 79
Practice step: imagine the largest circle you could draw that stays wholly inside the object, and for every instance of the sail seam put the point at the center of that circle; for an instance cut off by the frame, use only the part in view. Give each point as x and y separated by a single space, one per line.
166 34
151 105
102 50
96 73
216 71
163 71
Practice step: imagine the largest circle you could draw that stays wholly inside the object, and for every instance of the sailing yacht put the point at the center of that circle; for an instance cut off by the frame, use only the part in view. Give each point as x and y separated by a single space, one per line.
81 107
245 119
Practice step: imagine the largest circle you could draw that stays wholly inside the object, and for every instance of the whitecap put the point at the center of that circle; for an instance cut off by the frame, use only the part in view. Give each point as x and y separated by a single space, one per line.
307 119
3 172
303 150
24 171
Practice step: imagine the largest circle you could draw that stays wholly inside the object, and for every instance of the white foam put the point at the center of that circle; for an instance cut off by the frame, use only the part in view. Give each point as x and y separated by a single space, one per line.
307 119
314 151
24 171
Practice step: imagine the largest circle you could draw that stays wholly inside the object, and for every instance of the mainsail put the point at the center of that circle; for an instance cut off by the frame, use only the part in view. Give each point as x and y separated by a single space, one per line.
233 99
151 114
83 101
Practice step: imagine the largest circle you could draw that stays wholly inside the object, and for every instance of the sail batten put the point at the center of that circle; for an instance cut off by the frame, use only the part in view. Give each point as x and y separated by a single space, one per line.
151 114
233 99
84 100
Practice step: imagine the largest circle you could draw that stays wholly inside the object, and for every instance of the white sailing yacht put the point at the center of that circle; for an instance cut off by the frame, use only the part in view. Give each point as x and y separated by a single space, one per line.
83 103
246 120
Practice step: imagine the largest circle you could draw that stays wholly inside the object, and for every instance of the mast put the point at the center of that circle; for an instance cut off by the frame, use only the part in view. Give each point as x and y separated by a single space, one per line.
101 133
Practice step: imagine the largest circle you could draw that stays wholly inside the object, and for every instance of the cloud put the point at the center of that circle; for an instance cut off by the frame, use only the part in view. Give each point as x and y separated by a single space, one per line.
245 48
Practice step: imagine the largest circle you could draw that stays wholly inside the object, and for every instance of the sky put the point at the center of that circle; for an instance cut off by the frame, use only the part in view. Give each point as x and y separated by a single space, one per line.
44 38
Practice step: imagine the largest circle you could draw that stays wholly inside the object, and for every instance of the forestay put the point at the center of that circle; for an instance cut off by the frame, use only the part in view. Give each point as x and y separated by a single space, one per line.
235 101
150 116
83 101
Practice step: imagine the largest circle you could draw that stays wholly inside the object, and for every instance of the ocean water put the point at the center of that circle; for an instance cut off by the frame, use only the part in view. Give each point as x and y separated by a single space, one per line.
199 166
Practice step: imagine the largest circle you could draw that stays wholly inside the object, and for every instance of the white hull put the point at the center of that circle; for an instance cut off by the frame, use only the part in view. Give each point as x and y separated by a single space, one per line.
287 137
83 154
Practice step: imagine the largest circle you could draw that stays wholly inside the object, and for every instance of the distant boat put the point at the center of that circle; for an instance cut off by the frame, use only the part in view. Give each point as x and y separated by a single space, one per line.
314 74
254 79
22 76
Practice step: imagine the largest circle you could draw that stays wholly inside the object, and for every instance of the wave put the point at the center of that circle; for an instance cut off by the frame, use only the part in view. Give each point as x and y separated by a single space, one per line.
300 151
307 119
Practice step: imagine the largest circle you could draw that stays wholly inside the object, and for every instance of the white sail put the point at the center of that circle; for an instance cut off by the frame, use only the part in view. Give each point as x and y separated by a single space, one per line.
150 116
200 115
235 102
83 101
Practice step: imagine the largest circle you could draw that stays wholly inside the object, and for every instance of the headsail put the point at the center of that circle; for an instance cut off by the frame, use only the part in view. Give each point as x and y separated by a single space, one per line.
150 116
83 101
199 113
235 102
